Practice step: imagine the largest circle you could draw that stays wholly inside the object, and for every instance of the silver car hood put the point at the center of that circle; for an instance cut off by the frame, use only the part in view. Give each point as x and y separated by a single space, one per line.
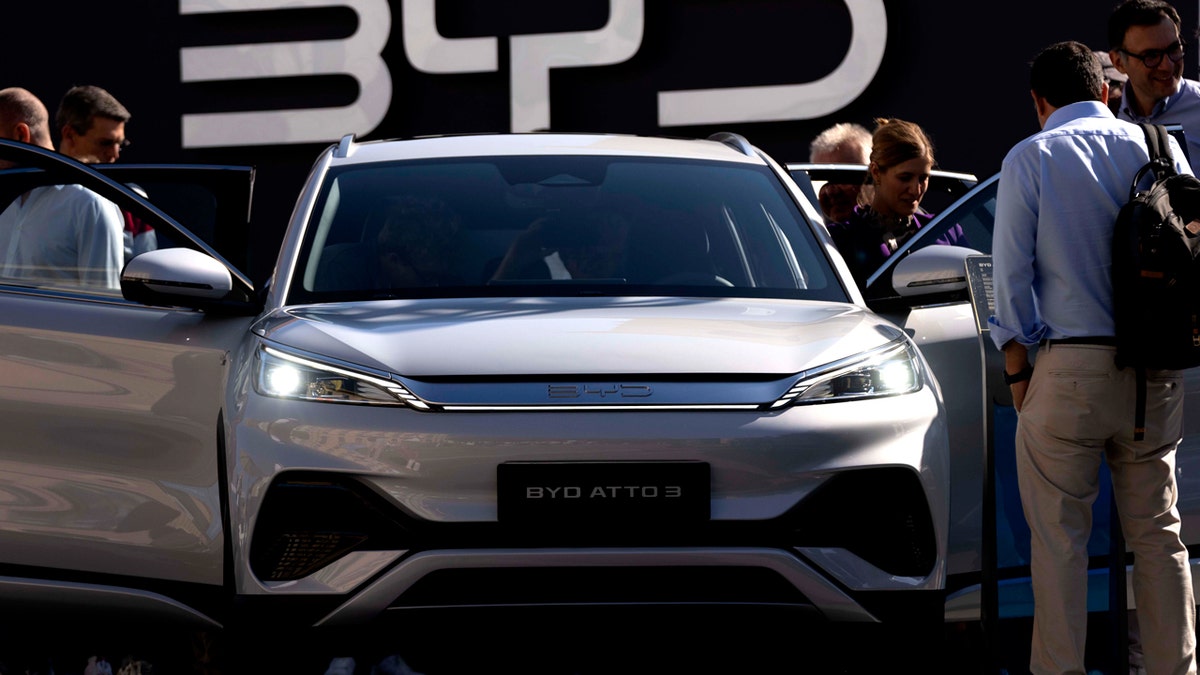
489 337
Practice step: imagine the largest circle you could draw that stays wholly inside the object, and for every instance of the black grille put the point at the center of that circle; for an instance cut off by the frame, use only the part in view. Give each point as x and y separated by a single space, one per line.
310 520
602 585
307 523
881 515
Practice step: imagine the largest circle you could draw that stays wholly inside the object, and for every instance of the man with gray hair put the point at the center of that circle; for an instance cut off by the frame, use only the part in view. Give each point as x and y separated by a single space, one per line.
842 143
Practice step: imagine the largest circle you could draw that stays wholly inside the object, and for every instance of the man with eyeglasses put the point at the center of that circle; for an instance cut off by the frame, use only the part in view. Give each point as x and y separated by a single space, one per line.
1146 45
91 122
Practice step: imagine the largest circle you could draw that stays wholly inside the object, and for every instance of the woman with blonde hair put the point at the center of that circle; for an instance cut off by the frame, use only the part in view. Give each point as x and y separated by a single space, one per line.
901 162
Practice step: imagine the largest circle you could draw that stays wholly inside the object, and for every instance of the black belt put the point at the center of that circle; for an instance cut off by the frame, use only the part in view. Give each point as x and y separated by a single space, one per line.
1103 341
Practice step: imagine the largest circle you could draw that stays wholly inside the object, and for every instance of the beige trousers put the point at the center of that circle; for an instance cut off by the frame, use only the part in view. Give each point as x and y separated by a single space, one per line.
1079 411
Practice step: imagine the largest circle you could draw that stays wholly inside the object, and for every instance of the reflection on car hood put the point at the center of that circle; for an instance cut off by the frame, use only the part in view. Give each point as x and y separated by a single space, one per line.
540 336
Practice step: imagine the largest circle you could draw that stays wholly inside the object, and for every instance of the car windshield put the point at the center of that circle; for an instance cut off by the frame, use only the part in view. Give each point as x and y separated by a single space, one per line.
558 225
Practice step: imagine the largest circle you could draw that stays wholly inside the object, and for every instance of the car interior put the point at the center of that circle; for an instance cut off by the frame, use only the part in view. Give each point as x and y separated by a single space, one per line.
557 227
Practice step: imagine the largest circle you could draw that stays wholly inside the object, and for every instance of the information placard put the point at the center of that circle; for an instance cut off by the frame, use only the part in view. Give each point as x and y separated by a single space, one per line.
979 285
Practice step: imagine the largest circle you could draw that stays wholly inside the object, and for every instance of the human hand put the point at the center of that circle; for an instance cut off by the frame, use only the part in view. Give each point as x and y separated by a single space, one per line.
526 248
1018 390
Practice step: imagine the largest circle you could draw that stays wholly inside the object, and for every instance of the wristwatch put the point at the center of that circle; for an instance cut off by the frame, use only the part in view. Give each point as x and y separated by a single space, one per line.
1019 376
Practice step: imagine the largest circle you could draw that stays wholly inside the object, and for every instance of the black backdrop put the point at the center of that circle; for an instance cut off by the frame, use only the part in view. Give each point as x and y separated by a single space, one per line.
959 69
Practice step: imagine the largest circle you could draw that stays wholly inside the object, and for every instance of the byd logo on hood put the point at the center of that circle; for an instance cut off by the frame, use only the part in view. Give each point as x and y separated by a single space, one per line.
531 59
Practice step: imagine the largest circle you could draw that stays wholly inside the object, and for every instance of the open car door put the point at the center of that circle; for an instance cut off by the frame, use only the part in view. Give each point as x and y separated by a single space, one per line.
111 474
212 201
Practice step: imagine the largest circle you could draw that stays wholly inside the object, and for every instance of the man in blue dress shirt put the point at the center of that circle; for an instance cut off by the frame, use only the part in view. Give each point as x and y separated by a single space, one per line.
1057 200
1145 44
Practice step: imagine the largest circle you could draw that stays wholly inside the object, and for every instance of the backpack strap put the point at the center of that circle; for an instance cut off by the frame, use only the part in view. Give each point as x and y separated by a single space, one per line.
1162 163
1158 143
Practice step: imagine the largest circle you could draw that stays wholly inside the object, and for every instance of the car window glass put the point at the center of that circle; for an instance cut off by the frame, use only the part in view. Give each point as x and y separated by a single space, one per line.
560 225
972 219
194 206
62 236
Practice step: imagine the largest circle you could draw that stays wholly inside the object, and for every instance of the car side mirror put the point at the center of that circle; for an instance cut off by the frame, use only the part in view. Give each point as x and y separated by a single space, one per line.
182 277
932 270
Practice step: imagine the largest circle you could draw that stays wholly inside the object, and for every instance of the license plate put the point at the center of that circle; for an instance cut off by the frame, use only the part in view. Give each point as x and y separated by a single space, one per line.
603 493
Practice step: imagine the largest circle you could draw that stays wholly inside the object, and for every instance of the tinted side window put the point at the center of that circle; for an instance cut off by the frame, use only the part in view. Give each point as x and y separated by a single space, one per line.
969 223
62 236
975 216
58 234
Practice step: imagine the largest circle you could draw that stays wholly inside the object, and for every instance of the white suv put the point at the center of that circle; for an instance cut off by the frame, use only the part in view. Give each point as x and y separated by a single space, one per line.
634 365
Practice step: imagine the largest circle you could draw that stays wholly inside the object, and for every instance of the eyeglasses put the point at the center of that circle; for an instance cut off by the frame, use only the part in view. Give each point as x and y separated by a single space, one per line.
1152 57
114 143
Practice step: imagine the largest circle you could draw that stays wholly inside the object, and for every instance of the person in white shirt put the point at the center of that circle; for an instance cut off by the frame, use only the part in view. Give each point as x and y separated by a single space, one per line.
1058 198
61 234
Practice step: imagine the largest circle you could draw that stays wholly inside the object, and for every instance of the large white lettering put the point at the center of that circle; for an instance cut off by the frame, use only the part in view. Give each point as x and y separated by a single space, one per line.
429 52
791 101
533 56
358 56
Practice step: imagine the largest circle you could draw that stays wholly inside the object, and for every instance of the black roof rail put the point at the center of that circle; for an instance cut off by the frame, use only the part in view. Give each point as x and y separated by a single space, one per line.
736 141
345 146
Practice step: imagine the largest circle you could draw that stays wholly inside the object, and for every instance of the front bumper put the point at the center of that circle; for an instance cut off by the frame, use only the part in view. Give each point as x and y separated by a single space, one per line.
361 512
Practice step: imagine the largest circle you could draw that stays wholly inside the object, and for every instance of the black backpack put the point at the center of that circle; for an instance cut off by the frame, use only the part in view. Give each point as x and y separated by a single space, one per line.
1156 270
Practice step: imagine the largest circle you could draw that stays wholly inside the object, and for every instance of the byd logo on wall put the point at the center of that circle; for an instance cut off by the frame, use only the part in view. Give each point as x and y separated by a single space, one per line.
531 59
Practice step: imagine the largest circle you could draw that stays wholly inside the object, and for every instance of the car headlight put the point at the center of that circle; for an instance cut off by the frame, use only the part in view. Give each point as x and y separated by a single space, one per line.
283 375
887 371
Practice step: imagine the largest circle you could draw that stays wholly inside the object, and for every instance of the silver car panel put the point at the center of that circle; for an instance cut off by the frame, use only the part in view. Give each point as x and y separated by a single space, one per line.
375 599
459 336
111 409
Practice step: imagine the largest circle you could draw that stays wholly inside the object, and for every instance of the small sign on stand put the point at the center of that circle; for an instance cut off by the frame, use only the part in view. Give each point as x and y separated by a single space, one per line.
979 286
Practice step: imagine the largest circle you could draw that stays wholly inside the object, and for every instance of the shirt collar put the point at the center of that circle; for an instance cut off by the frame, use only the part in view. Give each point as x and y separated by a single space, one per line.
1075 111
1158 108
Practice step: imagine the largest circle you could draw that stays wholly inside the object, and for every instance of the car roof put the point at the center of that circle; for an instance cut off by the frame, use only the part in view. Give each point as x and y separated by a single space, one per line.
821 171
723 147
944 186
